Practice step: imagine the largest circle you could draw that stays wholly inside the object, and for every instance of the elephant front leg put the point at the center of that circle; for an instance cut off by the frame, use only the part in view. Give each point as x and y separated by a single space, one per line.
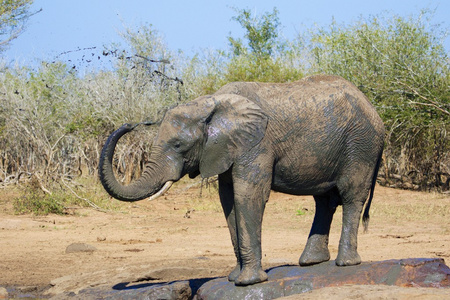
250 200
316 249
226 194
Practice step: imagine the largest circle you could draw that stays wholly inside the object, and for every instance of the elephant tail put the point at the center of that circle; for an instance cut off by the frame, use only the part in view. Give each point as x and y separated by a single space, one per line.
366 216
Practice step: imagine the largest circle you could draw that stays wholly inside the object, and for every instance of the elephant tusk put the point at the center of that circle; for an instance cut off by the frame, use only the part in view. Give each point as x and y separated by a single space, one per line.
164 189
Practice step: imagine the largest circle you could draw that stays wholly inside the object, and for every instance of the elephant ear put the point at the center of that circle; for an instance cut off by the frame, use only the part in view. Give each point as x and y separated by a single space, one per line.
235 125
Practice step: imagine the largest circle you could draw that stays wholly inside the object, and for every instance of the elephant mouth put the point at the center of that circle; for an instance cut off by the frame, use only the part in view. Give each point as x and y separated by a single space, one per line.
194 174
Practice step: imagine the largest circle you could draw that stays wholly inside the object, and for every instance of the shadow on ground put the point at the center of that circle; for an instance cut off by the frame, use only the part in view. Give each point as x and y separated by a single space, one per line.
194 285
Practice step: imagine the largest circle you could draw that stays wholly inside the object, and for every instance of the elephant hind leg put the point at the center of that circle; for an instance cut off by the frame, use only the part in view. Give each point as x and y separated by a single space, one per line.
354 194
316 249
348 244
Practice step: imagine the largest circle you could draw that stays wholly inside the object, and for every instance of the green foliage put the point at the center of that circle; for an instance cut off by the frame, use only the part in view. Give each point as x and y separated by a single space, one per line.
204 74
34 200
248 68
263 56
402 66
261 33
300 212
38 203
13 16
54 121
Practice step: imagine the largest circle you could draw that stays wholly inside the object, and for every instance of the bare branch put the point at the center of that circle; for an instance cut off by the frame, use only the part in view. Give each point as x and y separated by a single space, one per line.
92 204
431 103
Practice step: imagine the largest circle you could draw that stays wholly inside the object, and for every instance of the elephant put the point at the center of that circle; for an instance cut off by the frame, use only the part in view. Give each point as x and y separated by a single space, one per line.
317 136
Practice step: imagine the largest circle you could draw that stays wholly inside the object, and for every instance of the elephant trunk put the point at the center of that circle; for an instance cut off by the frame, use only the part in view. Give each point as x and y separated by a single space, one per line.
144 187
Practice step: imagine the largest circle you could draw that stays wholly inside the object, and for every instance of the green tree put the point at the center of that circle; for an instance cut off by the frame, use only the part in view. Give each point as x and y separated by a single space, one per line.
402 66
263 56
261 33
13 16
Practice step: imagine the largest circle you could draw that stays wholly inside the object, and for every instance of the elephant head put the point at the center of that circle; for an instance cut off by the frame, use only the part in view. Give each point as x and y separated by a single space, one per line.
204 137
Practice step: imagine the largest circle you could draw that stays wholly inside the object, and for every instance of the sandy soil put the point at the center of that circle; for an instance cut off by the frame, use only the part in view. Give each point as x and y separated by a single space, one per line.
183 236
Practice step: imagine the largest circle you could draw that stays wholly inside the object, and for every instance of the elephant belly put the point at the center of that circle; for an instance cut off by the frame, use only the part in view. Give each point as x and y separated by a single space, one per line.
302 180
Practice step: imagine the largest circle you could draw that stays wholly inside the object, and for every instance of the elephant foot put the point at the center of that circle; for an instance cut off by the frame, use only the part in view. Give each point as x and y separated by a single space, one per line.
348 258
250 276
309 258
235 273
316 251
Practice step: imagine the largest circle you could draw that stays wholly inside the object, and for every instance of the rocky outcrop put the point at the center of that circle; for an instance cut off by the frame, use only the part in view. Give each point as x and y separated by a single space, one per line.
285 281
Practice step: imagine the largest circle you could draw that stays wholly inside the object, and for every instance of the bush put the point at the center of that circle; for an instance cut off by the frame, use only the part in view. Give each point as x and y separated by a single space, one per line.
401 65
54 121
38 203
263 56
35 200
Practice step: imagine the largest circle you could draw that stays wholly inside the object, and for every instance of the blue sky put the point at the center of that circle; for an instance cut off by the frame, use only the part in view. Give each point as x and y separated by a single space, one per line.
190 26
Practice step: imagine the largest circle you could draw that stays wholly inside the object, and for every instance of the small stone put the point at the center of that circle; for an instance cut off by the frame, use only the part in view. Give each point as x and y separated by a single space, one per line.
3 293
101 238
28 289
80 247
175 290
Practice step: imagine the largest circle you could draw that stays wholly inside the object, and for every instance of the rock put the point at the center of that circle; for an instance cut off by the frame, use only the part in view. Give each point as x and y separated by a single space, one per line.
284 281
80 247
101 238
3 293
28 289
179 290
291 280
372 292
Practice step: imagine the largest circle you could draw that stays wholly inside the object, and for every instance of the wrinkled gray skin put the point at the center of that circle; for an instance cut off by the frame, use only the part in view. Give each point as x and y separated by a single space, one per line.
318 136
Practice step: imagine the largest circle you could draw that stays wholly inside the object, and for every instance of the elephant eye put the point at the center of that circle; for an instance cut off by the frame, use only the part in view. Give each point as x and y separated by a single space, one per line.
177 144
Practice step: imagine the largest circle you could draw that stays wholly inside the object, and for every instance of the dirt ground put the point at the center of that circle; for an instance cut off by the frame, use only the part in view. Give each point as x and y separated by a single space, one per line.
184 236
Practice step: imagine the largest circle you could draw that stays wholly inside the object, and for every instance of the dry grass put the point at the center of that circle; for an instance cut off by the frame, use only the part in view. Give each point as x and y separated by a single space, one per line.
390 205
408 206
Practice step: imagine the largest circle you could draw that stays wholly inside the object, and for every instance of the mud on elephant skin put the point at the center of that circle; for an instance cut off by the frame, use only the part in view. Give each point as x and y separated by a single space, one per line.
318 136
